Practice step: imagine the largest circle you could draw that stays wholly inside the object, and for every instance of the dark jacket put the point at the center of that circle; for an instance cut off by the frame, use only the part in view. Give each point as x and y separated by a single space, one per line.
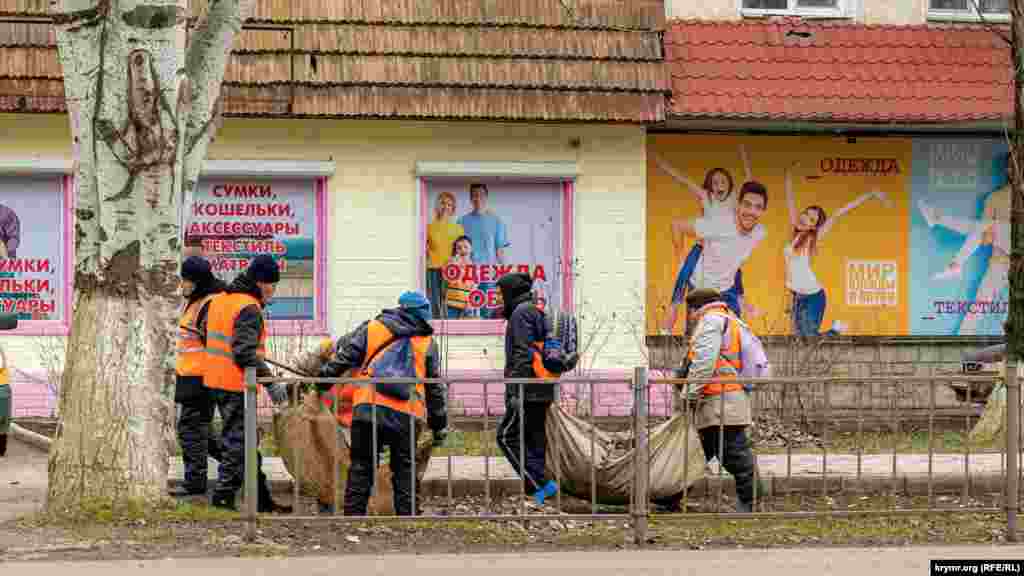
525 326
248 327
351 353
189 388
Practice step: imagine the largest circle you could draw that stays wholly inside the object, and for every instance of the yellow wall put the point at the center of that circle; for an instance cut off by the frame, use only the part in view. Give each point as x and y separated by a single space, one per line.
373 217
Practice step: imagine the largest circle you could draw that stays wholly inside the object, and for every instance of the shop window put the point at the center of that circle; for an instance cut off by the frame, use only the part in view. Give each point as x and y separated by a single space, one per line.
830 8
998 10
477 229
236 218
35 263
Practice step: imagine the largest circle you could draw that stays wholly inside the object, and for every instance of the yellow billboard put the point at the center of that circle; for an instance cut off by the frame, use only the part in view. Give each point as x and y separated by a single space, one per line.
803 235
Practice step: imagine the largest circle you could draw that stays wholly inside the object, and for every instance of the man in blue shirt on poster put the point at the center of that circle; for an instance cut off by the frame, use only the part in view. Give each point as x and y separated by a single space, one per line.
489 237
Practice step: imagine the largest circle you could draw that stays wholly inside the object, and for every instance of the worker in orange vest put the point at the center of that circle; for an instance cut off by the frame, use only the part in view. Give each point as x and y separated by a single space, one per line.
198 286
530 352
235 333
398 343
723 406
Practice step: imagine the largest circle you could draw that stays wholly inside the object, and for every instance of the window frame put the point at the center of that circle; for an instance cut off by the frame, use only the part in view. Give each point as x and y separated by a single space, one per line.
971 14
794 9
319 172
564 173
61 171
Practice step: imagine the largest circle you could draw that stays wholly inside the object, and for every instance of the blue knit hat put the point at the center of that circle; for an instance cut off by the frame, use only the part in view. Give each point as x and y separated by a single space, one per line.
415 303
263 268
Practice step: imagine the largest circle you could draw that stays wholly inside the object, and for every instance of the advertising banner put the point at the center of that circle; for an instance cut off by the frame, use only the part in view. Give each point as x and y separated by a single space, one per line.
959 237
801 235
239 219
32 247
479 230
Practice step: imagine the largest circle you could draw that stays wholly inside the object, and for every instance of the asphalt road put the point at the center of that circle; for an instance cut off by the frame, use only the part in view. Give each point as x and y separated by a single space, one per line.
789 562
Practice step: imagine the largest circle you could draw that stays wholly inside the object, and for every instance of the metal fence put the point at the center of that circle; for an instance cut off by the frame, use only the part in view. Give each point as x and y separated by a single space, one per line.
787 398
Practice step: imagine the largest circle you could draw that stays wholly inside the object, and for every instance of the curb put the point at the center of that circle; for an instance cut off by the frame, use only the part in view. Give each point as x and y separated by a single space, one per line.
31 438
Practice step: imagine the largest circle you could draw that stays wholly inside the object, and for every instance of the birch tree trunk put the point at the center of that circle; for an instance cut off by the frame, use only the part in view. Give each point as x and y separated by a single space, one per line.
143 108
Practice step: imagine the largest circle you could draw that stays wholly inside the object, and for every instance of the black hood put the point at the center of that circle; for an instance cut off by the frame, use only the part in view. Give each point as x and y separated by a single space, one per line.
515 289
403 323
211 285
243 284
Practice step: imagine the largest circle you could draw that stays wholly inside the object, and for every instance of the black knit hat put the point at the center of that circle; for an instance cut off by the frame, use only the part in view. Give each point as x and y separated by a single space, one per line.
196 269
263 268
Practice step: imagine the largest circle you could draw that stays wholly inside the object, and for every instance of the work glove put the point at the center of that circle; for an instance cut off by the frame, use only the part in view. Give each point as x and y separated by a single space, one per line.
325 372
278 393
440 435
571 360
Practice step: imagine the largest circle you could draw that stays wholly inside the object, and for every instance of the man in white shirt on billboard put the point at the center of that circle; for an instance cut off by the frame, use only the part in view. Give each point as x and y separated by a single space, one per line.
727 245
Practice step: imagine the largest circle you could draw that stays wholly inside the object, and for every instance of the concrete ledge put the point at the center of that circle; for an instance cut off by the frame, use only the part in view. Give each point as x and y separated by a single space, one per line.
31 438
503 484
777 487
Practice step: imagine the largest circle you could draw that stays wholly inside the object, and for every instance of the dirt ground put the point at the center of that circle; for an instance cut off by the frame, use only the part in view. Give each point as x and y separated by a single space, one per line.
194 530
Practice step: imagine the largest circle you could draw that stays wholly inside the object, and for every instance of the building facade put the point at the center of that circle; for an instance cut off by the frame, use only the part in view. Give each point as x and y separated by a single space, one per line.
875 132
350 125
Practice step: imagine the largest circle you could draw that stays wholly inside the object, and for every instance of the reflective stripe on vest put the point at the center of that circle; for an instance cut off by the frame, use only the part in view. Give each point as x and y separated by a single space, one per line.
377 339
221 371
728 364
538 363
190 353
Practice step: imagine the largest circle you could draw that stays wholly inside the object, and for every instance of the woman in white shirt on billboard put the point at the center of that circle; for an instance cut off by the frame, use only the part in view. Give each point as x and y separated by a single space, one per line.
810 226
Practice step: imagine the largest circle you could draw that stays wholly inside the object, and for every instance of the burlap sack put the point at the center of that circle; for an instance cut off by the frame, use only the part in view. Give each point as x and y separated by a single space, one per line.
309 440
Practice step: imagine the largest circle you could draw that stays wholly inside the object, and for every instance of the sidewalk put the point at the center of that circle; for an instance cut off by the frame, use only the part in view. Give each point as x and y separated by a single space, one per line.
876 472
784 562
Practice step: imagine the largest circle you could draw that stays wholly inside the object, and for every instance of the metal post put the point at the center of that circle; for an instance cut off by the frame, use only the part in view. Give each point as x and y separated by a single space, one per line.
641 456
1012 444
251 473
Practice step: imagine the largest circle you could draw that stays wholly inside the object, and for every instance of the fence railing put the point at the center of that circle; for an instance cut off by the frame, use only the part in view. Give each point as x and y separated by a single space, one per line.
786 399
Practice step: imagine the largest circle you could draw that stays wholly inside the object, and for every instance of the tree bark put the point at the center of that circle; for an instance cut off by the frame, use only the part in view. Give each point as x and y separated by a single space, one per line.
1015 320
141 106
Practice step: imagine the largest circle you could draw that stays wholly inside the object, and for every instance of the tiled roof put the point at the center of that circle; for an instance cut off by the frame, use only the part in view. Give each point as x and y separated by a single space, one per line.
821 71
516 60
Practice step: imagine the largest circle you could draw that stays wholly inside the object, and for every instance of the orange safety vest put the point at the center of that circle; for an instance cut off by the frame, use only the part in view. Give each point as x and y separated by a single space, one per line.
342 408
221 371
380 344
190 354
728 364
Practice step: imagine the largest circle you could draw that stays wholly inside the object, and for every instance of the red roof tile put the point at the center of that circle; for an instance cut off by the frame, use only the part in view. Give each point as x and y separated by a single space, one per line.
789 69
